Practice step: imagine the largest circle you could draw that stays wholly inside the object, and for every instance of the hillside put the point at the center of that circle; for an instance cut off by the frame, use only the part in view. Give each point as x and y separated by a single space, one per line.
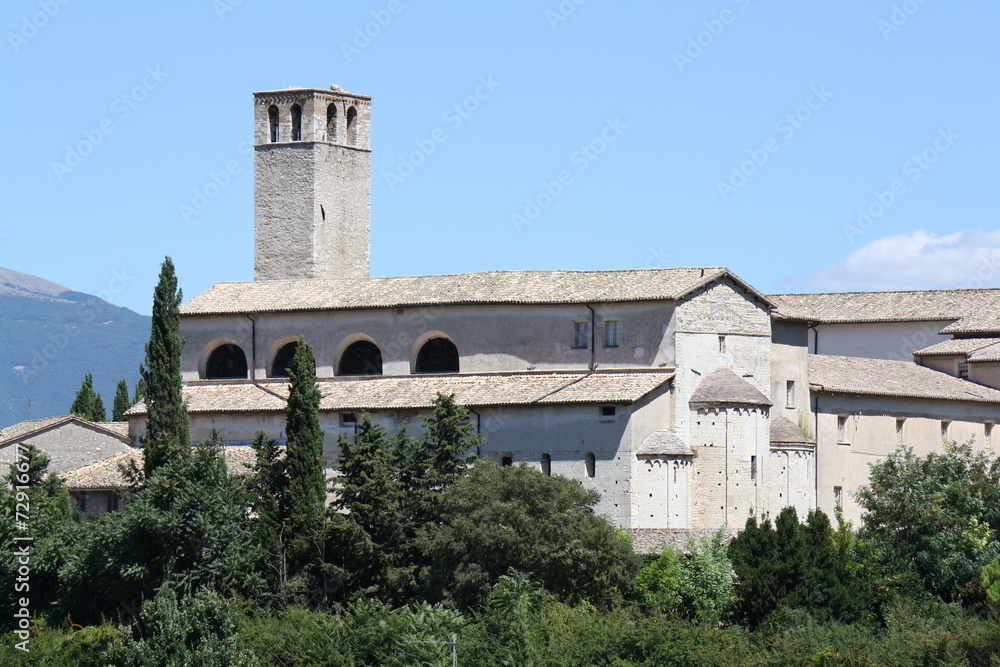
51 336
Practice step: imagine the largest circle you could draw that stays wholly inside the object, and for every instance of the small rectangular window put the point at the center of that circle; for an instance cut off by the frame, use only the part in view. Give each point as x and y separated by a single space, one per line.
591 463
963 369
722 343
608 413
790 394
838 496
547 465
113 503
899 432
842 429
610 333
506 460
944 428
81 503
348 419
753 467
581 335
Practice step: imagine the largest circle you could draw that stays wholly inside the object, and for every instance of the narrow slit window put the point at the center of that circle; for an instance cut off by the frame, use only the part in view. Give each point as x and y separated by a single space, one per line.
547 465
753 467
591 463
790 394
899 431
722 343
296 122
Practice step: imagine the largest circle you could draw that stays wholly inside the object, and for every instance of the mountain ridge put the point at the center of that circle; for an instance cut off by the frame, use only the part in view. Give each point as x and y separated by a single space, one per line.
51 336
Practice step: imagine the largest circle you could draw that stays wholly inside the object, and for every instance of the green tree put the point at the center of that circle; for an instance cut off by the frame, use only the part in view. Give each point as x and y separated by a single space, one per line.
267 486
305 498
88 403
121 402
497 518
795 565
140 387
933 521
697 584
187 528
167 425
34 505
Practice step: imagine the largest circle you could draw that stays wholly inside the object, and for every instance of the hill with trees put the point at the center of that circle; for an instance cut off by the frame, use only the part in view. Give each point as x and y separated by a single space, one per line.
51 337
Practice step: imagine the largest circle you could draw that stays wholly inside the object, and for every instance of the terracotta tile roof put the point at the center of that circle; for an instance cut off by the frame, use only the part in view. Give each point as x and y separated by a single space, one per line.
419 391
911 306
26 429
956 346
666 443
983 321
488 287
881 377
724 386
104 474
786 432
984 355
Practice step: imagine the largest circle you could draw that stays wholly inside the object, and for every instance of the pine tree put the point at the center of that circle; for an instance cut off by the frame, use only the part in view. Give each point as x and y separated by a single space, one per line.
88 403
121 402
305 497
167 433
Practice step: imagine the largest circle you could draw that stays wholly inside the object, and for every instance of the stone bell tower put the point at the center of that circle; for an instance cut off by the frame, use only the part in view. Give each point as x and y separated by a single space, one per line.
312 184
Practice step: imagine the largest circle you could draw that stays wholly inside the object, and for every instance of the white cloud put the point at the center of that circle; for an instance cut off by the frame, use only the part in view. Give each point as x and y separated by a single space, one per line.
917 260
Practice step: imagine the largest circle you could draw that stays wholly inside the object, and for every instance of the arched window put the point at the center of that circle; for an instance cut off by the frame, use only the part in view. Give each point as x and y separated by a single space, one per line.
296 122
227 362
547 465
283 360
361 358
591 460
352 126
438 355
331 122
272 120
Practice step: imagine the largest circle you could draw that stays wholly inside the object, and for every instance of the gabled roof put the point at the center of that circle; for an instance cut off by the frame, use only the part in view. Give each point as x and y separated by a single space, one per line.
664 443
723 386
419 391
487 287
957 346
881 377
27 429
104 475
784 432
905 306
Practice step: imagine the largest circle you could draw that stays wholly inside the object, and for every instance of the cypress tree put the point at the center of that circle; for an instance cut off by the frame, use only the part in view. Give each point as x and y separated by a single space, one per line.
84 405
121 402
267 488
305 496
97 411
167 423
140 387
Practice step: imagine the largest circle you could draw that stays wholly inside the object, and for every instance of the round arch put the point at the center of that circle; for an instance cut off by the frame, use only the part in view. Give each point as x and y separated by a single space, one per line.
351 341
280 356
223 359
435 352
362 357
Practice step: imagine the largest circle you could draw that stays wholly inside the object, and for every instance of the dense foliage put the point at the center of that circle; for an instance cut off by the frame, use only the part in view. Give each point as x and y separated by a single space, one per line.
933 522
428 553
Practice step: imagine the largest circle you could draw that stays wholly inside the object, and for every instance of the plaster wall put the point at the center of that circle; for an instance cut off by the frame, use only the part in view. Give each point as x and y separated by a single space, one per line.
497 338
876 340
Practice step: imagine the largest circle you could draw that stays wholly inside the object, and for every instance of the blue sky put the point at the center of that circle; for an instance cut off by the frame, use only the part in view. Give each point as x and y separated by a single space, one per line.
807 146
